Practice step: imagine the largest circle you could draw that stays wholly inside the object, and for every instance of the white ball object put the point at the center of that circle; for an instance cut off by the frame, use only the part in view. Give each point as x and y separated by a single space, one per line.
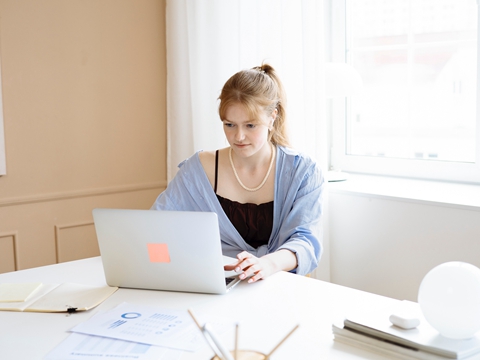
449 297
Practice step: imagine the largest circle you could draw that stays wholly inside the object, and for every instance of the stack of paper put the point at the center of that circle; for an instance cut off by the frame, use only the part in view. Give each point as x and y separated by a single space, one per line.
375 332
131 332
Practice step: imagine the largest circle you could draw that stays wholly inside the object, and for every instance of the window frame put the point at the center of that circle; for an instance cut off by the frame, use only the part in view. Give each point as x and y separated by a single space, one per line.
409 168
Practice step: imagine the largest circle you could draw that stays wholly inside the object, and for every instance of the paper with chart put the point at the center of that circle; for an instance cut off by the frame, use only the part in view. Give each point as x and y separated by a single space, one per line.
144 324
81 346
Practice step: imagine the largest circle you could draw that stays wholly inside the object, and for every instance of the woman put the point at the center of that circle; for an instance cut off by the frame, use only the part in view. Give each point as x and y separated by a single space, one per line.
266 195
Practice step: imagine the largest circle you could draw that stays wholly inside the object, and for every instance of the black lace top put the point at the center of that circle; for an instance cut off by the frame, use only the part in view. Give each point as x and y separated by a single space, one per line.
253 222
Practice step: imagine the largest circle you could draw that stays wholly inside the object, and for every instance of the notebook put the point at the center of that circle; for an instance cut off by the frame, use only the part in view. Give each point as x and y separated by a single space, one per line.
162 250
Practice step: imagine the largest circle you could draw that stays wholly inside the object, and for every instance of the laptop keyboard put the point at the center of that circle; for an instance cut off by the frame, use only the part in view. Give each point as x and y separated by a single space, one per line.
228 280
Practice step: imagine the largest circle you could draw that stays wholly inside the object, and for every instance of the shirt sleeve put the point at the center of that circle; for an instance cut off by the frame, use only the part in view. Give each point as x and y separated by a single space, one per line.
186 190
301 226
189 190
169 198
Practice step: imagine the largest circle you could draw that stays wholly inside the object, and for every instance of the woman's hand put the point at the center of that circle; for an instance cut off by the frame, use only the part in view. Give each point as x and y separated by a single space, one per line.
254 268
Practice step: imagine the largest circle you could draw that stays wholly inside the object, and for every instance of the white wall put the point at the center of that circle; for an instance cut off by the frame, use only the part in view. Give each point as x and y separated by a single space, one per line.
386 245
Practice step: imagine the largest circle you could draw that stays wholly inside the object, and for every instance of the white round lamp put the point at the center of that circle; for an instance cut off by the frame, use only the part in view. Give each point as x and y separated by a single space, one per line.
449 297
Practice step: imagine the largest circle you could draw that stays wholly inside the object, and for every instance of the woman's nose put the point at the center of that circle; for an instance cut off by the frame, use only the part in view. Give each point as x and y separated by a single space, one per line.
239 135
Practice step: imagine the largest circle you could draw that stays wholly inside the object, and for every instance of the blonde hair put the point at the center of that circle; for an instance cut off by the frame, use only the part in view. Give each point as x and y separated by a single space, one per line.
258 89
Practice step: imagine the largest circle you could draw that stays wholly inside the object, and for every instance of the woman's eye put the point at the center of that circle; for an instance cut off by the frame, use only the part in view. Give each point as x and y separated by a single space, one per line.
251 126
228 125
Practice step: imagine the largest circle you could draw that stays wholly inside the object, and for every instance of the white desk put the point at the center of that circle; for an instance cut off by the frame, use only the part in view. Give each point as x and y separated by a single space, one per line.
267 311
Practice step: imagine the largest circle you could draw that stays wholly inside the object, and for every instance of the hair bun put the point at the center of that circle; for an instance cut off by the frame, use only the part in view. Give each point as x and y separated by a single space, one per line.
264 69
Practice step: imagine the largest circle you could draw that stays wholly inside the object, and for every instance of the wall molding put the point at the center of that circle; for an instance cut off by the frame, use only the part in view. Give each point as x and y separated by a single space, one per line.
81 193
14 235
59 228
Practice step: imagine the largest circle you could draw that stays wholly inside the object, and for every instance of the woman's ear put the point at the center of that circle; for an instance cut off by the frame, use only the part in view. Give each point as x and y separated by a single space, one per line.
274 116
274 113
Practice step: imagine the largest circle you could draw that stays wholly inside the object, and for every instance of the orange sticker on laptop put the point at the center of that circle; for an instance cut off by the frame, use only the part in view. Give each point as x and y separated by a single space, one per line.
158 253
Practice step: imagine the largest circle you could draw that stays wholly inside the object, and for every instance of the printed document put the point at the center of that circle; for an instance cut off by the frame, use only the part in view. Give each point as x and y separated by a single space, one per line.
173 329
80 346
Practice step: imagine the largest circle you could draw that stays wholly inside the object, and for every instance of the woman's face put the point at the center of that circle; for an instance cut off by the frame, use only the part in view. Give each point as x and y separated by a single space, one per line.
245 135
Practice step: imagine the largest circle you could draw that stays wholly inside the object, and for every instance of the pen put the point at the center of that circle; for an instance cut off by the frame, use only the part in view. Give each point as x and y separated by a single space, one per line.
211 337
212 340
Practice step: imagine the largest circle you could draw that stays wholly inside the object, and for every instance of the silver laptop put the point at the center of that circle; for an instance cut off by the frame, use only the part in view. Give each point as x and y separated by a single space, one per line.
162 250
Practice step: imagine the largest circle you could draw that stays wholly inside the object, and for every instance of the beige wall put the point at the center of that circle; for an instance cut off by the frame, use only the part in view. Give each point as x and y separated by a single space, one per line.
84 94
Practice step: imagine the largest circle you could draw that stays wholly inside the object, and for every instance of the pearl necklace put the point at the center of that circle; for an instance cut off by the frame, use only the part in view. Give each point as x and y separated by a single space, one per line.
264 179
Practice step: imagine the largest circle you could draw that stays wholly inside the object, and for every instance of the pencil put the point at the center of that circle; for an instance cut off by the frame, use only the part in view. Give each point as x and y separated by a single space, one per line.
281 342
235 354
195 319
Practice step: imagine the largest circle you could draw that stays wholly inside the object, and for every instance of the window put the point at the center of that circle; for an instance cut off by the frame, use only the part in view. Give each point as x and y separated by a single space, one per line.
417 113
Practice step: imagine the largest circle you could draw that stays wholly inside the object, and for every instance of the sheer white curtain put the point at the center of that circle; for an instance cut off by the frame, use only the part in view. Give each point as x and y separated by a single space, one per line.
210 40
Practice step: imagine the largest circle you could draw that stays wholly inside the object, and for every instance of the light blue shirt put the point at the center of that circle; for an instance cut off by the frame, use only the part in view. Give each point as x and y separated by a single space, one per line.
297 210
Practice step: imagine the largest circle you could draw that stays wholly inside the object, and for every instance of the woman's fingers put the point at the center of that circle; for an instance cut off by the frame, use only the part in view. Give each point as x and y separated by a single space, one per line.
229 267
244 261
256 277
252 267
